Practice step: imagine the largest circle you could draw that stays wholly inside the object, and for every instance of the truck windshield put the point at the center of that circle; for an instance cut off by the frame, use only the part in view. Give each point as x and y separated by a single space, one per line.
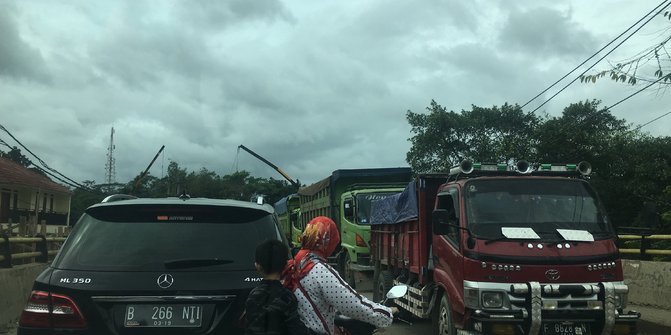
363 201
544 205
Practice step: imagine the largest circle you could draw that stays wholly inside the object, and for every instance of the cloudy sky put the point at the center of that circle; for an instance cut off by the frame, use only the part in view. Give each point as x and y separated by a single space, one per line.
312 86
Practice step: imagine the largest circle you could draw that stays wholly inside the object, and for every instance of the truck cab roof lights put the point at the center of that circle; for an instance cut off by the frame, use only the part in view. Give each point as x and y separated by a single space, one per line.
584 168
465 167
522 167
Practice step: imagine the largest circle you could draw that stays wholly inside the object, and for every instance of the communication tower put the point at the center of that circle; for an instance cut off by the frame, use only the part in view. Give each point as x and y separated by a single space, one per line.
110 171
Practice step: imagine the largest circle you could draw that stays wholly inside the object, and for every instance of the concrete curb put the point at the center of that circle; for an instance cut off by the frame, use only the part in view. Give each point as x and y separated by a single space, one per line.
653 315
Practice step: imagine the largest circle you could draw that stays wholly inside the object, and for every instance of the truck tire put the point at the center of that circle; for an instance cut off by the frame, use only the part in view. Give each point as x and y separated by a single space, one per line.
347 272
385 282
442 317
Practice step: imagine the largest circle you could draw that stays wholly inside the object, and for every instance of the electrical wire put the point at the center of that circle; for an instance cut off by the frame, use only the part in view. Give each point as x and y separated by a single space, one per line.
41 161
637 92
589 117
651 121
593 55
49 173
600 59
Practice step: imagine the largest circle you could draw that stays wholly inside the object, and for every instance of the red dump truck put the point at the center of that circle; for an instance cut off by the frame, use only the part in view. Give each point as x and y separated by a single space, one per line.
498 249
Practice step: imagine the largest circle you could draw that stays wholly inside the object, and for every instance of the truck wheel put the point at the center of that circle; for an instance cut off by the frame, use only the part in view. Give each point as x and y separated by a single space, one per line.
442 318
347 271
384 283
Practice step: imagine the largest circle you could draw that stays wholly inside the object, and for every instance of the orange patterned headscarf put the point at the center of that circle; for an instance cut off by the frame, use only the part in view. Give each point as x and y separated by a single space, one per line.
320 236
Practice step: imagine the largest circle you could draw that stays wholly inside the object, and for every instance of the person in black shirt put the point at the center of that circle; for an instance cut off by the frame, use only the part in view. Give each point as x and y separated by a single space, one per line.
271 308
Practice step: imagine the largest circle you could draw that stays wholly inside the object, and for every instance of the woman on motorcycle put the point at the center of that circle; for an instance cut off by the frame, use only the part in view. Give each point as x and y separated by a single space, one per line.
320 290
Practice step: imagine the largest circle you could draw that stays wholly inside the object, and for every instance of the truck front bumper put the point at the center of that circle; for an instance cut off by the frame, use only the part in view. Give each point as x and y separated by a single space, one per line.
535 308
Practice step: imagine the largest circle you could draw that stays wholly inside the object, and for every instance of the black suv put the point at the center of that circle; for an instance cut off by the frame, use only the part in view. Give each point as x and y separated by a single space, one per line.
152 266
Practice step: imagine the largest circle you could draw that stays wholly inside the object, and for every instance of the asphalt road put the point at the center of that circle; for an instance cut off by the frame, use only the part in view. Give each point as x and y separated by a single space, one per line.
424 327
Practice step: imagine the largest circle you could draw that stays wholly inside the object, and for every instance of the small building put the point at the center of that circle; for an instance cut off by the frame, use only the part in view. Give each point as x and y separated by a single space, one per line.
26 193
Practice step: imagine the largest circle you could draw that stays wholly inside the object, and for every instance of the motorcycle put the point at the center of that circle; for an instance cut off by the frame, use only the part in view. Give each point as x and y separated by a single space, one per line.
349 326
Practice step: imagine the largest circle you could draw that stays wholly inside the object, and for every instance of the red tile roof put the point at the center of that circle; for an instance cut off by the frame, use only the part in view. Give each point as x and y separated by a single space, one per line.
15 174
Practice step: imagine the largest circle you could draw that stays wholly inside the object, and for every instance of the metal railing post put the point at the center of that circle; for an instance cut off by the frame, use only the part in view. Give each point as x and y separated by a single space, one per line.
6 252
43 249
645 245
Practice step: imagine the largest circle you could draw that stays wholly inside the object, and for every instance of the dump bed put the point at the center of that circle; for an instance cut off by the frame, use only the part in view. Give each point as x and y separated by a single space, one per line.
401 226
323 197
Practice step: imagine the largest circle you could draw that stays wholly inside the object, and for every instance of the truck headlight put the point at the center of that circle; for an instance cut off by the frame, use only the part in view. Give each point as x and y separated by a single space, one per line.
492 299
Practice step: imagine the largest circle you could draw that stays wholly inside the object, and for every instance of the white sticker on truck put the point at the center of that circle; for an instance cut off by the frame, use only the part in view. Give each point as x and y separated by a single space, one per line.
576 235
519 232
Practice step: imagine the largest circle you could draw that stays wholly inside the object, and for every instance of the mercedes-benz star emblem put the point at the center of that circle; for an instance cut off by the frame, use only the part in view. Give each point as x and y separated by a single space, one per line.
165 280
552 274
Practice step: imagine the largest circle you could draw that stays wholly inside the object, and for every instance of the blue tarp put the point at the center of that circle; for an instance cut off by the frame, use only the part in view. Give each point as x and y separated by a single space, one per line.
281 206
395 209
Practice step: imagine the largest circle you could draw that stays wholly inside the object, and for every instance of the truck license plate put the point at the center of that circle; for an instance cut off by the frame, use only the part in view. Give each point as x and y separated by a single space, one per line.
163 316
565 328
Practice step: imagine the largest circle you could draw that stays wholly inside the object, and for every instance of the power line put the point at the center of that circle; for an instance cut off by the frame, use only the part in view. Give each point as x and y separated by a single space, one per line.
600 59
5 144
593 55
637 92
651 121
47 172
40 160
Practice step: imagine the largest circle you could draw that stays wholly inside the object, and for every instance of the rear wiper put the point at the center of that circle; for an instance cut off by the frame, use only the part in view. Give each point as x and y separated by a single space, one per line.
194 262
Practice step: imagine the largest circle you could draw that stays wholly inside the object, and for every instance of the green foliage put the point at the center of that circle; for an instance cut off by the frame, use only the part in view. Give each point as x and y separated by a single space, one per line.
630 170
203 184
582 132
82 199
442 139
15 155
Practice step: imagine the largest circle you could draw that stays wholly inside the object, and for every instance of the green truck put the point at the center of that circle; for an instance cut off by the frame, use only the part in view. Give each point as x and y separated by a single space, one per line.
345 196
288 212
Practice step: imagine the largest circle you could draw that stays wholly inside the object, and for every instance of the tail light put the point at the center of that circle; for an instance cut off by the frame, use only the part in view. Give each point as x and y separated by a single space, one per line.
359 241
47 310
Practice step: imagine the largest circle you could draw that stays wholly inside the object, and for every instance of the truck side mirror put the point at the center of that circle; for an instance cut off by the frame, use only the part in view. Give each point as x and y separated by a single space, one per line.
442 219
348 209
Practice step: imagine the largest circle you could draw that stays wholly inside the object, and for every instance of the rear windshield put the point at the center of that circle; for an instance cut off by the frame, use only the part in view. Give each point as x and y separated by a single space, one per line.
155 238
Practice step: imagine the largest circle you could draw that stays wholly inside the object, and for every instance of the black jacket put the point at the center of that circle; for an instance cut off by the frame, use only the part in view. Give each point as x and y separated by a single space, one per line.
271 309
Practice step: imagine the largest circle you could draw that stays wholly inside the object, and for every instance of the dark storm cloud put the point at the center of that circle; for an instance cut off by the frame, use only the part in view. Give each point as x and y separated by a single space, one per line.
312 86
217 14
139 56
18 59
545 32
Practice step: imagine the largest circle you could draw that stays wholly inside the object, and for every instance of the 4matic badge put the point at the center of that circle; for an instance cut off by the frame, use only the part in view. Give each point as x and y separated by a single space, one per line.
253 279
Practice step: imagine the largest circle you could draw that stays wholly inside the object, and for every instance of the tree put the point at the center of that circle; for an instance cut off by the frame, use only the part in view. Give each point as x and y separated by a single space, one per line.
582 132
631 171
442 139
82 199
639 175
15 155
204 183
175 179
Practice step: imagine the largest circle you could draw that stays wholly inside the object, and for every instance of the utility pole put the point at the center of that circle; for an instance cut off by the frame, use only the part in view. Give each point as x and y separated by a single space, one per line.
110 171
